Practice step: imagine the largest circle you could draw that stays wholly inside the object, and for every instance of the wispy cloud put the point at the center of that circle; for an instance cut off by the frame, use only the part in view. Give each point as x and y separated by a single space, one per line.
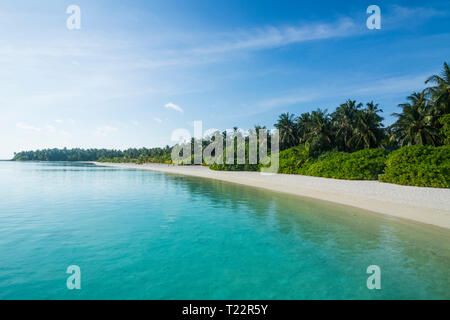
272 36
158 120
105 130
385 87
393 85
278 36
398 17
173 106
404 13
50 128
24 126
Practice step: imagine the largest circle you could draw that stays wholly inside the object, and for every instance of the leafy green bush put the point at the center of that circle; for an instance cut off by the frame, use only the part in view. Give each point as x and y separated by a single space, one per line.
361 165
292 160
445 130
423 166
235 167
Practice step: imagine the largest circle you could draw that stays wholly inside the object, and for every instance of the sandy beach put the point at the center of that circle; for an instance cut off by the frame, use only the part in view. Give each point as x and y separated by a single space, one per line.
425 205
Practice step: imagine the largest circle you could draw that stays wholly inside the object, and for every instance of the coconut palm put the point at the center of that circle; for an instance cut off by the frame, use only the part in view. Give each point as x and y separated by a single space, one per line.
287 129
372 108
440 93
344 122
368 131
415 123
319 125
259 128
320 134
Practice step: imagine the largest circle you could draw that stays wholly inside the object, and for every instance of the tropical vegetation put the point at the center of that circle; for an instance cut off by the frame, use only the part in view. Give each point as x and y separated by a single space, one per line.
349 143
425 166
365 164
130 155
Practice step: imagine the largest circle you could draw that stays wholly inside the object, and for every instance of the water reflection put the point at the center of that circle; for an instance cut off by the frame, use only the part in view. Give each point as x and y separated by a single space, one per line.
351 234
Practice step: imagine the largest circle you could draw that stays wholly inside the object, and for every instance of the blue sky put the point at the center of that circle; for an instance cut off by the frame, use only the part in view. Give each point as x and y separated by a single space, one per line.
137 70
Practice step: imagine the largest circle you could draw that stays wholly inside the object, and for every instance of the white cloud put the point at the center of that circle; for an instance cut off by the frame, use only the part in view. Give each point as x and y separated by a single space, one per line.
24 126
105 130
394 85
398 17
50 128
158 120
214 48
58 121
272 37
47 128
406 13
210 132
383 87
173 106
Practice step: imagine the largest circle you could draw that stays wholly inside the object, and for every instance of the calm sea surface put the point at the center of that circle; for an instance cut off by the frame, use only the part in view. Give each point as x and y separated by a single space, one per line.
147 235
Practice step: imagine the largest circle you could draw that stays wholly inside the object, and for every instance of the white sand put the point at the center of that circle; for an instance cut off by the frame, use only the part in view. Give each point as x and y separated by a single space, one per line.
425 205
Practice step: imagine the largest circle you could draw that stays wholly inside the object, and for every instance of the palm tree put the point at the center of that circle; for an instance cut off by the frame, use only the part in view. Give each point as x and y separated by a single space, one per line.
256 131
258 128
287 128
344 123
368 131
415 123
320 134
441 91
303 127
372 108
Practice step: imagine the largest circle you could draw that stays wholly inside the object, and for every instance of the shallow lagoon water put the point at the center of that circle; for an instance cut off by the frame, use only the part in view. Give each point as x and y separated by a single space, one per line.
148 235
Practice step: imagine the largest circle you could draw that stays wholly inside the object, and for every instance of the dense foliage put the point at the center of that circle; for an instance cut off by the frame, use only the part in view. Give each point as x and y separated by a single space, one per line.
424 166
352 126
361 165
423 121
445 131
419 123
235 167
294 159
130 155
242 142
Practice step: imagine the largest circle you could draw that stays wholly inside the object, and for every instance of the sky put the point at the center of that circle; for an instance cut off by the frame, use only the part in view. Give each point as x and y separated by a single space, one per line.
137 70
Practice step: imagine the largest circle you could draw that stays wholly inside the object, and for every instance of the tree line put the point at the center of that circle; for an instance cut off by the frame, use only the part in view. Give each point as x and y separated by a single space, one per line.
144 154
424 120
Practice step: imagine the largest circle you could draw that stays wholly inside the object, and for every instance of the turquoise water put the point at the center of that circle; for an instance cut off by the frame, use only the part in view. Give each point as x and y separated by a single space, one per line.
147 235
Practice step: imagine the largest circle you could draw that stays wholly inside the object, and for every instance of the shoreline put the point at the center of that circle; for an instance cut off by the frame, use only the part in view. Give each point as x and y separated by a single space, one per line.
424 205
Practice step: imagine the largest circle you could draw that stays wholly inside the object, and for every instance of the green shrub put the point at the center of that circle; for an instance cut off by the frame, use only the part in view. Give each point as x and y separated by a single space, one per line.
445 130
361 165
234 167
423 166
292 160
